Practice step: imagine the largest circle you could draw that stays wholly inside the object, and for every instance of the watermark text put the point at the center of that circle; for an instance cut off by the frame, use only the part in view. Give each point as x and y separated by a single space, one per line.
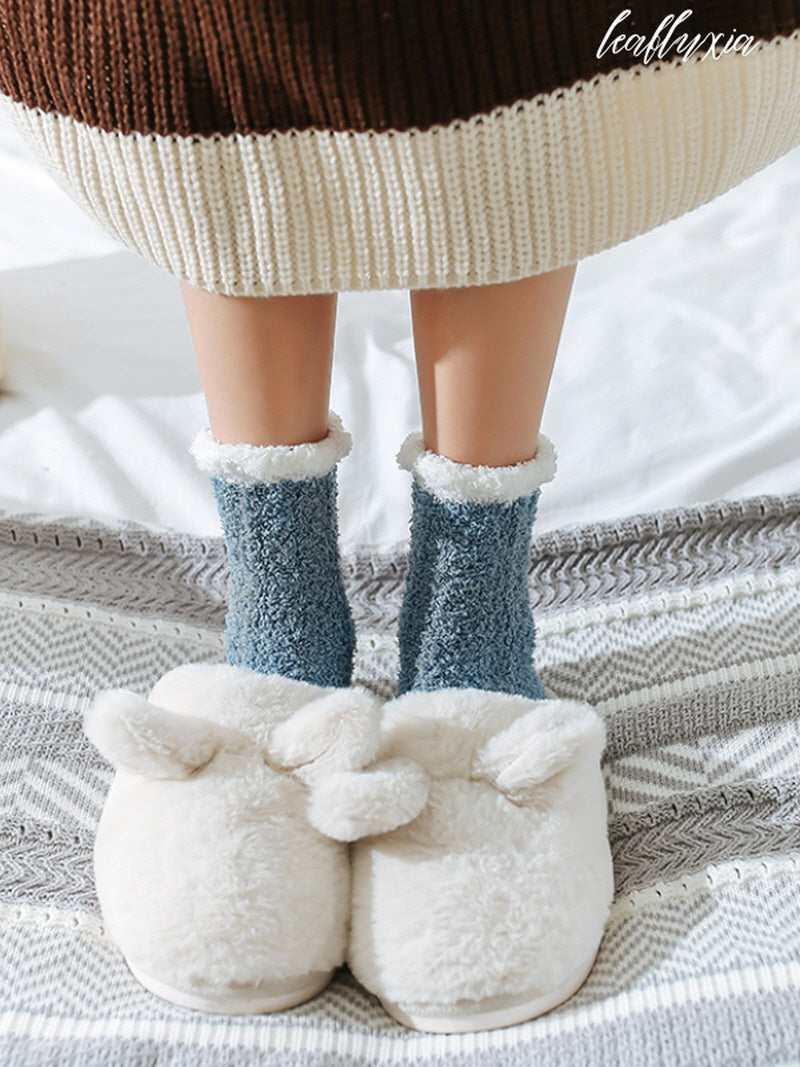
663 40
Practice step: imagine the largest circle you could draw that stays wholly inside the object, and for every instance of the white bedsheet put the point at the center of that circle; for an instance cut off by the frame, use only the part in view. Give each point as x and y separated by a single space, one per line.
677 380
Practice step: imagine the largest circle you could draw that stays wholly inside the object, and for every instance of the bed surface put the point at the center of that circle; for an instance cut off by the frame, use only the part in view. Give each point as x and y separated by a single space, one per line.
677 380
682 628
664 580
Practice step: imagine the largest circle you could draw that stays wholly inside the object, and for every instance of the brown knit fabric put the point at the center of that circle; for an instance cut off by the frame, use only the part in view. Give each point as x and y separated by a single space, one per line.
306 146
253 66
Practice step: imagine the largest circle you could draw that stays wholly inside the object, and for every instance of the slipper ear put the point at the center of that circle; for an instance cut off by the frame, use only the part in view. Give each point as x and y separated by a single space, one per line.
537 746
350 805
336 732
148 740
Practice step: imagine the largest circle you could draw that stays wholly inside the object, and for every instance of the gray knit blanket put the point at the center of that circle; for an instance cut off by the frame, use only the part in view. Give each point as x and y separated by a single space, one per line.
682 628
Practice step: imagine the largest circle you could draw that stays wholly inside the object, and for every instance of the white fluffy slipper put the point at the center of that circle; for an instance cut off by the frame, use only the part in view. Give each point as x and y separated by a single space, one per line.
488 908
212 881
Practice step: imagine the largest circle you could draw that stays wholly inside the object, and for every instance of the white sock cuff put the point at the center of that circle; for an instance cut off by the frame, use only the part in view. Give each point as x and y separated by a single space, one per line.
450 480
248 464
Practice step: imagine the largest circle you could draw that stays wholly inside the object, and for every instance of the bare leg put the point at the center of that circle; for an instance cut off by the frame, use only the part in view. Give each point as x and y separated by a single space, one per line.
484 361
485 356
265 364
266 371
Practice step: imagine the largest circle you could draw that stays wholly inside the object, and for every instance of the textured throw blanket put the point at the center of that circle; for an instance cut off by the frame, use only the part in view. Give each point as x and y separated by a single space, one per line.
683 628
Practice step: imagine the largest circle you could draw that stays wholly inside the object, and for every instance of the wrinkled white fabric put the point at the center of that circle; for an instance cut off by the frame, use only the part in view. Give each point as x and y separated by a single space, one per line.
677 380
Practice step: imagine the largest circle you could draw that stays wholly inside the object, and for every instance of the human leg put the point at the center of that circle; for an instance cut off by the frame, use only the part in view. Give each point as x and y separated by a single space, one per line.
496 932
485 357
271 453
484 360
265 364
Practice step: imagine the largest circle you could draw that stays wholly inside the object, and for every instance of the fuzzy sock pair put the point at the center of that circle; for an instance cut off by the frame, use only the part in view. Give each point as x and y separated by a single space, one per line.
466 619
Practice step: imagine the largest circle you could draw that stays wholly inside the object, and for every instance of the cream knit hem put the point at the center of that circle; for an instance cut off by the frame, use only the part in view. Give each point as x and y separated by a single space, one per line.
519 191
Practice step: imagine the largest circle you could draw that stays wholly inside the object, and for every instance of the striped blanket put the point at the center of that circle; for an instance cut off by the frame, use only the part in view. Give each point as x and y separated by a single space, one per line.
683 629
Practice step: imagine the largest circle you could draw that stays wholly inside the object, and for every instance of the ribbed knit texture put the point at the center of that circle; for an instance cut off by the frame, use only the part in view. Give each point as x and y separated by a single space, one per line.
682 627
466 618
193 67
280 148
288 612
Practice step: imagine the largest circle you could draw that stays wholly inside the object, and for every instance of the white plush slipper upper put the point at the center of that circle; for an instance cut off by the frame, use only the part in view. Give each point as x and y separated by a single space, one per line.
487 908
212 881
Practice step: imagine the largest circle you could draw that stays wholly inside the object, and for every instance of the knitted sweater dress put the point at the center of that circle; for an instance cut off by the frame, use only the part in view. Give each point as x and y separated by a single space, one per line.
261 147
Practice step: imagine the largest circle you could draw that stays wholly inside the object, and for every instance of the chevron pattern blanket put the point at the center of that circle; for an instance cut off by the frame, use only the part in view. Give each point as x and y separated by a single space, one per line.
683 629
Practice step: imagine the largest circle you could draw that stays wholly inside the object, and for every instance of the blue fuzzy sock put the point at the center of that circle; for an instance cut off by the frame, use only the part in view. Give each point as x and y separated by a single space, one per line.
466 619
288 611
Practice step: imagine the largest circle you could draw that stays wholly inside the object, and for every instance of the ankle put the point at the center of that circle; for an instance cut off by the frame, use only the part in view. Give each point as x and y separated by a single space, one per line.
288 611
466 619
